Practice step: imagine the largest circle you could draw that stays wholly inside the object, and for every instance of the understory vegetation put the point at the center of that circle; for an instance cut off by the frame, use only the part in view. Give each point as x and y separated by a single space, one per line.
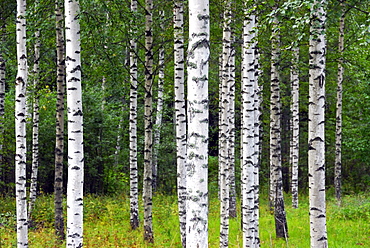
107 223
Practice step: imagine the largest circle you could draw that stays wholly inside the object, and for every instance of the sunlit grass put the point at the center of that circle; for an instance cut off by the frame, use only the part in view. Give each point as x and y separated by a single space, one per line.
107 223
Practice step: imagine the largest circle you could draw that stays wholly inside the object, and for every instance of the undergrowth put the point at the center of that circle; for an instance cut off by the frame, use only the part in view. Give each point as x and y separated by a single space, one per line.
106 223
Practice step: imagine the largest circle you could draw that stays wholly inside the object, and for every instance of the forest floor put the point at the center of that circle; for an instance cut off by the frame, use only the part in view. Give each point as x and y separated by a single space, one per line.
106 223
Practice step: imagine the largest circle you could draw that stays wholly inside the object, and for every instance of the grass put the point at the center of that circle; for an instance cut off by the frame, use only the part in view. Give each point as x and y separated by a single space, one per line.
107 223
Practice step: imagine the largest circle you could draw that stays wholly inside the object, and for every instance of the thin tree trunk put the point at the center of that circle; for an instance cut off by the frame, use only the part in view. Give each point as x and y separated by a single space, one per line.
75 126
231 140
180 113
59 127
20 127
248 137
158 120
276 177
134 190
2 102
225 129
338 127
148 112
198 102
316 126
35 128
294 147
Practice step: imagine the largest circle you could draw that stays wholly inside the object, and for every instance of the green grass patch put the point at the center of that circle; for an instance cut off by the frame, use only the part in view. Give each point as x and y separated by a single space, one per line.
107 223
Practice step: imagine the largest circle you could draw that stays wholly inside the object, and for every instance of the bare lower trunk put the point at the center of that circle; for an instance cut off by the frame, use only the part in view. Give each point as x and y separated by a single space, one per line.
75 126
338 132
197 153
20 127
180 113
316 126
148 109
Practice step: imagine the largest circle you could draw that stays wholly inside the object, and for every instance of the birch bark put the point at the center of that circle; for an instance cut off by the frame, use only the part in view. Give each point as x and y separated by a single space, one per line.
59 127
338 126
134 190
20 126
294 148
148 123
75 126
180 113
224 135
248 138
197 108
35 123
316 125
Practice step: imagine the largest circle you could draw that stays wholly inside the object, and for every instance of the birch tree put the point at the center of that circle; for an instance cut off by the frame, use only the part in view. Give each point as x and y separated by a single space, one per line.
59 126
134 190
197 108
180 113
2 102
338 126
276 177
158 117
75 128
294 145
316 126
20 126
148 112
224 135
248 122
35 123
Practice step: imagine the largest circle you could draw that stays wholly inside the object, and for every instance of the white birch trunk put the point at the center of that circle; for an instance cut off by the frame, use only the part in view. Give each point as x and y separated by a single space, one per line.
75 124
134 190
276 177
20 127
257 139
338 127
180 113
59 127
2 108
148 112
231 140
316 126
158 119
248 137
294 147
197 153
35 128
224 159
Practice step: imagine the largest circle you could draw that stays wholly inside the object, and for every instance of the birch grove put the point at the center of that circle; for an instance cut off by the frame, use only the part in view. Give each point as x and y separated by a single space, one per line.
316 126
75 126
20 127
197 110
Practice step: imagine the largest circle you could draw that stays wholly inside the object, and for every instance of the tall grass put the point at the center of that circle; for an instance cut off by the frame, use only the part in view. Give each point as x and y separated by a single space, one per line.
107 223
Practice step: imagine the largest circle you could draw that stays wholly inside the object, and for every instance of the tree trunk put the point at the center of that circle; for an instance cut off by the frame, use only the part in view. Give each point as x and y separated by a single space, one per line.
75 126
2 102
338 127
294 146
59 127
35 128
148 112
134 190
20 127
180 113
248 137
158 119
316 126
197 153
276 177
224 129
